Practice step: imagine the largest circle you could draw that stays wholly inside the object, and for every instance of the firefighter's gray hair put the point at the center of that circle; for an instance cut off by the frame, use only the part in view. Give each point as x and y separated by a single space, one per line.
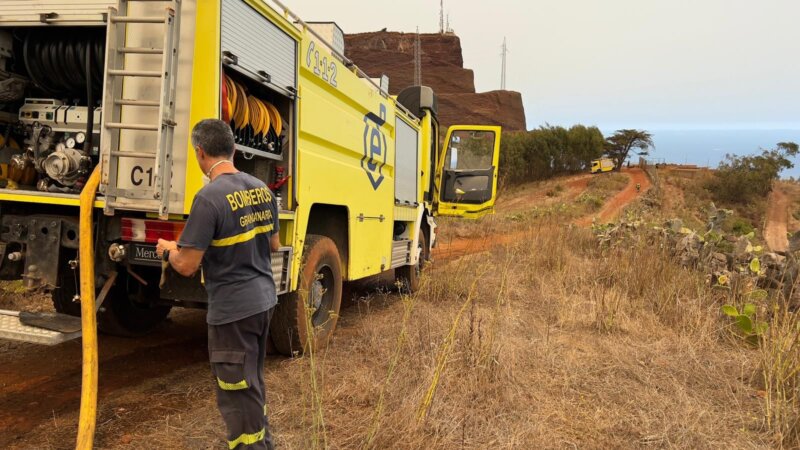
215 137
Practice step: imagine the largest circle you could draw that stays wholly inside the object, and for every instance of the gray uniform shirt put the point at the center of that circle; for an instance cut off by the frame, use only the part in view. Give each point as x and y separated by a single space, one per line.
232 219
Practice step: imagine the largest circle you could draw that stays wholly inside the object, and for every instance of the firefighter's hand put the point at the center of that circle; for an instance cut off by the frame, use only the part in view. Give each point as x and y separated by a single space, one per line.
165 245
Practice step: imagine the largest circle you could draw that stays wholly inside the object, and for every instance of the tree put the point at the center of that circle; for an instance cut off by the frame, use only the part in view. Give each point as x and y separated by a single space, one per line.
620 144
585 144
548 151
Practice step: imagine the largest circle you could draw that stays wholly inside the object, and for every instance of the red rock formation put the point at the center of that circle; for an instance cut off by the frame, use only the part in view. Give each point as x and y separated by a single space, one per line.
502 108
392 54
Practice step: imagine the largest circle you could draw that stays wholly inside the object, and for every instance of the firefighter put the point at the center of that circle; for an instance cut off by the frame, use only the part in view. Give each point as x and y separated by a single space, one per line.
232 226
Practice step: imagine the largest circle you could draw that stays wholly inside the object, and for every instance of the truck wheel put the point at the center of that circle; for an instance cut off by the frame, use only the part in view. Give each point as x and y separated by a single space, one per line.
409 276
130 308
316 301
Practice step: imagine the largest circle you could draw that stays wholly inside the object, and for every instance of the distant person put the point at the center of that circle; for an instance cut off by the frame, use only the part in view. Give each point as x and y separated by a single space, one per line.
231 229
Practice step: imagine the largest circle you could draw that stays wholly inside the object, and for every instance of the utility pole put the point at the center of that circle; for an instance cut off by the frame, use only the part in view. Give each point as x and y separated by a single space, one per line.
503 68
441 16
417 60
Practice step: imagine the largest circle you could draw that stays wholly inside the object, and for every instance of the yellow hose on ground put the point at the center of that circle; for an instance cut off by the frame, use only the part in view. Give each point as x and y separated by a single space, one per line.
88 415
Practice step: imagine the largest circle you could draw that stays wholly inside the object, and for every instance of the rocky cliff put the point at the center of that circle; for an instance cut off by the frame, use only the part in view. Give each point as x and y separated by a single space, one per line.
392 54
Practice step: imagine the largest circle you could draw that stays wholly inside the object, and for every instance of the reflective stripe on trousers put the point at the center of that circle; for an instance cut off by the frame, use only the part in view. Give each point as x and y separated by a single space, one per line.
247 439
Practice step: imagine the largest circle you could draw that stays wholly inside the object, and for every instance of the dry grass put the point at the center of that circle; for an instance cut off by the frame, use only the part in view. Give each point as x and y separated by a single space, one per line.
504 358
532 203
686 197
545 343
14 296
792 190
609 183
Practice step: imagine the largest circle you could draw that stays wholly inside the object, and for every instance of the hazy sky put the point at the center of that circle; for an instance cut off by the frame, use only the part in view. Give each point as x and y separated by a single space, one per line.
616 63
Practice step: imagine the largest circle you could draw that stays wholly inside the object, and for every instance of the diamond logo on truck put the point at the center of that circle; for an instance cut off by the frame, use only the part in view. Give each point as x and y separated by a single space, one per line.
374 147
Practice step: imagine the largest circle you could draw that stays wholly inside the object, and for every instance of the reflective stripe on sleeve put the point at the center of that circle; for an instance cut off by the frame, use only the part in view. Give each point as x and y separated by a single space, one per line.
232 386
247 439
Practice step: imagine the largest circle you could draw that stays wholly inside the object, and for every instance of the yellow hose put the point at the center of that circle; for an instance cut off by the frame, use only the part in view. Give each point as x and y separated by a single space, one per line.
88 417
245 109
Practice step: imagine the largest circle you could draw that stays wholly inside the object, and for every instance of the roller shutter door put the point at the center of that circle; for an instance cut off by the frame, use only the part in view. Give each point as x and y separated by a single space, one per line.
258 44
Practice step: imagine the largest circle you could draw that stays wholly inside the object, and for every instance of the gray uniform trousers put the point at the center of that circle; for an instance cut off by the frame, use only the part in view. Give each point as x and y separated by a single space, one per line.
236 351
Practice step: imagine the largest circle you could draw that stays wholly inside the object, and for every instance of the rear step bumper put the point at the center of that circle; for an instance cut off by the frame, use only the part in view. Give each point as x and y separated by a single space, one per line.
12 329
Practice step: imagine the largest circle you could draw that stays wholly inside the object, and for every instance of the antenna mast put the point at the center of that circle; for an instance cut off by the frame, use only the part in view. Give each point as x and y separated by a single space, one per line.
503 69
441 16
417 60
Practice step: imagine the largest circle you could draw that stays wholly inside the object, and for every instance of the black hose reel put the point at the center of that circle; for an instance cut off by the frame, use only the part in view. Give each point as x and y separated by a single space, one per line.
66 62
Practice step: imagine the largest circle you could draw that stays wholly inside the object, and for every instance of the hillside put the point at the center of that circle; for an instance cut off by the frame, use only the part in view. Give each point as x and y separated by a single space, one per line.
563 343
392 54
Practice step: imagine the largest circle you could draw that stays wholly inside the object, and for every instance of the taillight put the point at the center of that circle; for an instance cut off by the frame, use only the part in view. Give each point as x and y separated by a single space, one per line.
150 231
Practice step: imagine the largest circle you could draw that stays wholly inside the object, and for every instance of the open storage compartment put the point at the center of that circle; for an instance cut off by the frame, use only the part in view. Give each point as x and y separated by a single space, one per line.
50 89
262 121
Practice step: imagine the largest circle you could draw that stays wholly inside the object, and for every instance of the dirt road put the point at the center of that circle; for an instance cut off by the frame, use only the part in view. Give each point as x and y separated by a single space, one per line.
41 385
573 185
447 250
777 220
617 203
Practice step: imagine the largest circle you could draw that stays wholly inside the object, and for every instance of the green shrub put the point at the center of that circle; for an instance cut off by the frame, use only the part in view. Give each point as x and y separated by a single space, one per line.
548 151
593 201
742 179
739 226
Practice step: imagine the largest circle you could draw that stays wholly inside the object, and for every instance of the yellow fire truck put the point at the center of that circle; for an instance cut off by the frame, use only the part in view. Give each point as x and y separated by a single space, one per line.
603 165
106 92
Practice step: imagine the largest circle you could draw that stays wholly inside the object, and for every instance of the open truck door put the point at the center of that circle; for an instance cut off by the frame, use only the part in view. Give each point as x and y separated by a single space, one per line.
466 176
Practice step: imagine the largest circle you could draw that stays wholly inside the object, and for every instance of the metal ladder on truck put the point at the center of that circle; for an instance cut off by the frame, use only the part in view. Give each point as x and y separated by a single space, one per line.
155 198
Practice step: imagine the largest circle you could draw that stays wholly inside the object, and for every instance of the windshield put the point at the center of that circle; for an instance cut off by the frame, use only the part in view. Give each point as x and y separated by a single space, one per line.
470 150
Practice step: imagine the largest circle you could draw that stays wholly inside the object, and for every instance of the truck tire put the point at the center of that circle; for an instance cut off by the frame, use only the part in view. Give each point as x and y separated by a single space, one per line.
320 287
131 309
409 276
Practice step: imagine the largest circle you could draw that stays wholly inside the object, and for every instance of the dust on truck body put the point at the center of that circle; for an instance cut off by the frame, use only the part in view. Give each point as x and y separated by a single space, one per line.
118 85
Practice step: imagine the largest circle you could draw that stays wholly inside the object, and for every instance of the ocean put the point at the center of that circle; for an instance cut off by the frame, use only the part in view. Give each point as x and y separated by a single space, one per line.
709 147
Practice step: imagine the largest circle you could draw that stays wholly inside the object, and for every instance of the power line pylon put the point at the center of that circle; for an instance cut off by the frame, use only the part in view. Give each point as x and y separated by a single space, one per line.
417 60
503 68
441 16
